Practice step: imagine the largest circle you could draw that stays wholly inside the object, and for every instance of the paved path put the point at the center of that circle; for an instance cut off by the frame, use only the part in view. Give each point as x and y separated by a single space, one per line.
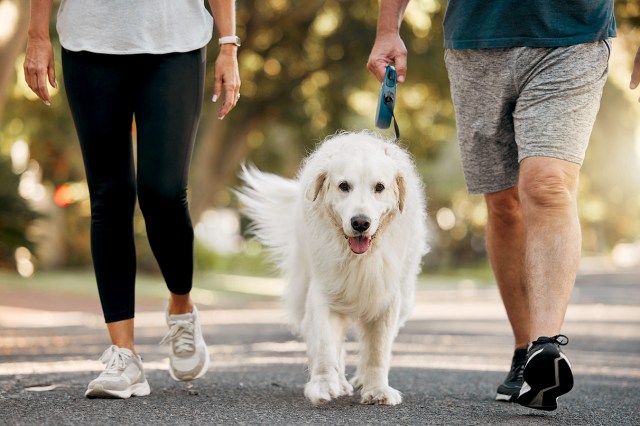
448 361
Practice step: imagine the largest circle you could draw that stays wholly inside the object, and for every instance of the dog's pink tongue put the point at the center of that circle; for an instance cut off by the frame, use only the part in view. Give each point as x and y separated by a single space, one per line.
359 244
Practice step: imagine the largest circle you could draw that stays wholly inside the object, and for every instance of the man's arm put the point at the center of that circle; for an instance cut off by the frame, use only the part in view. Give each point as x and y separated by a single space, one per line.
388 47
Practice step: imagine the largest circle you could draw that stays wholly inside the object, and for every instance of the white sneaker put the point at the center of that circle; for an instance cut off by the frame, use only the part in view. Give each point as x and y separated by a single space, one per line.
189 358
122 378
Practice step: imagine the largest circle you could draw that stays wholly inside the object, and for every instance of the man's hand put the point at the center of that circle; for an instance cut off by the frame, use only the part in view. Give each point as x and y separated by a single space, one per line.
388 49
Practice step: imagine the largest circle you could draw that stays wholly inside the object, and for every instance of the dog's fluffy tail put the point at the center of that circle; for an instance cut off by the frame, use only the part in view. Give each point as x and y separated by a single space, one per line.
269 201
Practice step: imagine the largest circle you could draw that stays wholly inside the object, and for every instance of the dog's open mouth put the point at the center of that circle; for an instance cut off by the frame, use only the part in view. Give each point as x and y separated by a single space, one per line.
360 243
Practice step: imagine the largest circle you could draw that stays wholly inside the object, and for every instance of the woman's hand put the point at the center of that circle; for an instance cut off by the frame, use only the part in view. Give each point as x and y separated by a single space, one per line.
38 61
227 78
635 73
39 67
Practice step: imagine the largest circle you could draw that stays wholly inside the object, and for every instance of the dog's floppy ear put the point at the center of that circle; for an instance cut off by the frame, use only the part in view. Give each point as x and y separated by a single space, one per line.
402 191
317 189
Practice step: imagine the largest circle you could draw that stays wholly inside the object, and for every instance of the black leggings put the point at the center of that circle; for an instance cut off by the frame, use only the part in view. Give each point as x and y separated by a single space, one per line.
164 93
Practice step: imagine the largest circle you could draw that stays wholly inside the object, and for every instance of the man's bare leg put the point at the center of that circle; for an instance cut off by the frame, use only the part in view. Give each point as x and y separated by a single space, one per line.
547 189
506 246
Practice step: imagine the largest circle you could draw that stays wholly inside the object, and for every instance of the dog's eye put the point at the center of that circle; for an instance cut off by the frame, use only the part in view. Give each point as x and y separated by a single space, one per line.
379 187
344 187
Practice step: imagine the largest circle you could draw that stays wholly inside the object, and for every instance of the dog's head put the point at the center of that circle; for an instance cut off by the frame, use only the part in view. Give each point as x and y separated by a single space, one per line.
359 182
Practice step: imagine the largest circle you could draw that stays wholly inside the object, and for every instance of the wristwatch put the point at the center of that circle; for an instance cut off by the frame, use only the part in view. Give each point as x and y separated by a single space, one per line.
229 40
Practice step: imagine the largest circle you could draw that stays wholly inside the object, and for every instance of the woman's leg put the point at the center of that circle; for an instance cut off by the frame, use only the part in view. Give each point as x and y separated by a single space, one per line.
99 92
167 113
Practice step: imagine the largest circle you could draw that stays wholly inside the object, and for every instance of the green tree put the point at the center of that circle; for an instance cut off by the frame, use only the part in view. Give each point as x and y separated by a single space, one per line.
303 78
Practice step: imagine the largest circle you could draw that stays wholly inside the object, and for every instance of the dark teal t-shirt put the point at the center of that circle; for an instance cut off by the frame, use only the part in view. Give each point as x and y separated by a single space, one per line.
480 24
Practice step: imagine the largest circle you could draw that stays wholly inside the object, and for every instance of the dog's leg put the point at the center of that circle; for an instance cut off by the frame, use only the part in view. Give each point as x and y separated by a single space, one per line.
296 294
372 376
324 332
346 388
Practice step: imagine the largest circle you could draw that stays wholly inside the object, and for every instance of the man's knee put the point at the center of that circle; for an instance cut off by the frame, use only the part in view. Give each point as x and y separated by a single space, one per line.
548 183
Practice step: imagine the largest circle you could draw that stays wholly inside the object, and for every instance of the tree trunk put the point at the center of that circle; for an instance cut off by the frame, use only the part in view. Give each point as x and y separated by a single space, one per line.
12 46
222 147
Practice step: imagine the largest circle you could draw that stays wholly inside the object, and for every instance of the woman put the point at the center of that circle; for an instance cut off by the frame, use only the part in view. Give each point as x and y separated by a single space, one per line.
143 59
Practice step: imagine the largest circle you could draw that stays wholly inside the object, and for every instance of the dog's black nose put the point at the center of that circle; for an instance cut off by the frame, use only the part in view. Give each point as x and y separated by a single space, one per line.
360 223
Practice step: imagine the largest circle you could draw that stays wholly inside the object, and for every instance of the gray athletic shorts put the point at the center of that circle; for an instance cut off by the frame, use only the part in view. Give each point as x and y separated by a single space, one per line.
523 102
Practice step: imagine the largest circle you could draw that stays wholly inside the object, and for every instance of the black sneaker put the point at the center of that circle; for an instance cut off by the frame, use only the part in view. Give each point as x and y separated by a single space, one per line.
509 389
547 374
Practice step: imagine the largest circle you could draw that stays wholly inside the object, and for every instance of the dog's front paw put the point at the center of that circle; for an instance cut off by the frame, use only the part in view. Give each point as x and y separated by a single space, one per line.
322 390
356 382
381 395
345 387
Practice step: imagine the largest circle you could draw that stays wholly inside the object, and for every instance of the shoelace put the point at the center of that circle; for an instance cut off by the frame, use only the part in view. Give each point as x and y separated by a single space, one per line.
181 335
115 359
518 370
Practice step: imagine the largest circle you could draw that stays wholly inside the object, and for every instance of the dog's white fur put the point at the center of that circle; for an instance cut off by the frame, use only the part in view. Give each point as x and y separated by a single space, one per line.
305 223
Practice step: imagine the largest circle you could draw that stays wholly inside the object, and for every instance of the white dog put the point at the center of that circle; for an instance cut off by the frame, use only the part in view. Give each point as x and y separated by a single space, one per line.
349 234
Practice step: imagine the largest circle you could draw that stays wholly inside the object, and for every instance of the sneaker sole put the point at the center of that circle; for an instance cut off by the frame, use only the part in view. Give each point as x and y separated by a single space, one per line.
546 377
98 391
188 378
512 397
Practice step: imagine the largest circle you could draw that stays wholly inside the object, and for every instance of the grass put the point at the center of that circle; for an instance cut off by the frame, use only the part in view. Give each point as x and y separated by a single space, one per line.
209 286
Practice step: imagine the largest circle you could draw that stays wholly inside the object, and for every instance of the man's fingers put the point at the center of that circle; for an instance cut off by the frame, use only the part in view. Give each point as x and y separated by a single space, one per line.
377 67
401 68
635 74
388 50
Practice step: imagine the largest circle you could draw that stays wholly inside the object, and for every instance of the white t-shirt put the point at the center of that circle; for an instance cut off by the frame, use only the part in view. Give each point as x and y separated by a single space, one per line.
134 26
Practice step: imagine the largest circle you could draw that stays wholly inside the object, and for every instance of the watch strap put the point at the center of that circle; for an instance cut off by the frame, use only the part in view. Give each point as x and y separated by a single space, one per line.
229 40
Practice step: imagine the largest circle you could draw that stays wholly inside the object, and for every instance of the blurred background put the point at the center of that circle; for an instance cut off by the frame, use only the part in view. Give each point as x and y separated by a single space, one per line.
303 73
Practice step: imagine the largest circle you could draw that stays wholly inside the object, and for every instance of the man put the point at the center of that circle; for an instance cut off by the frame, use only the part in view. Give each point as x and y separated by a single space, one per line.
526 82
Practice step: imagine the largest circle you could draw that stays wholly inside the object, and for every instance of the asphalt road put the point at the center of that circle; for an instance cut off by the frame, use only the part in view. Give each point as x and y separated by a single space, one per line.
448 361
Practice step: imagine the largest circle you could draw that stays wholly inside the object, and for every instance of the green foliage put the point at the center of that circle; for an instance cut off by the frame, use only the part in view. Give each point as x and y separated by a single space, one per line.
304 74
627 13
242 263
15 215
304 77
303 69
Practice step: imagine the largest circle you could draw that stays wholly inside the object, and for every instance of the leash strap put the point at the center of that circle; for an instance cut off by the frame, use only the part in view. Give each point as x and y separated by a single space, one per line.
388 101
